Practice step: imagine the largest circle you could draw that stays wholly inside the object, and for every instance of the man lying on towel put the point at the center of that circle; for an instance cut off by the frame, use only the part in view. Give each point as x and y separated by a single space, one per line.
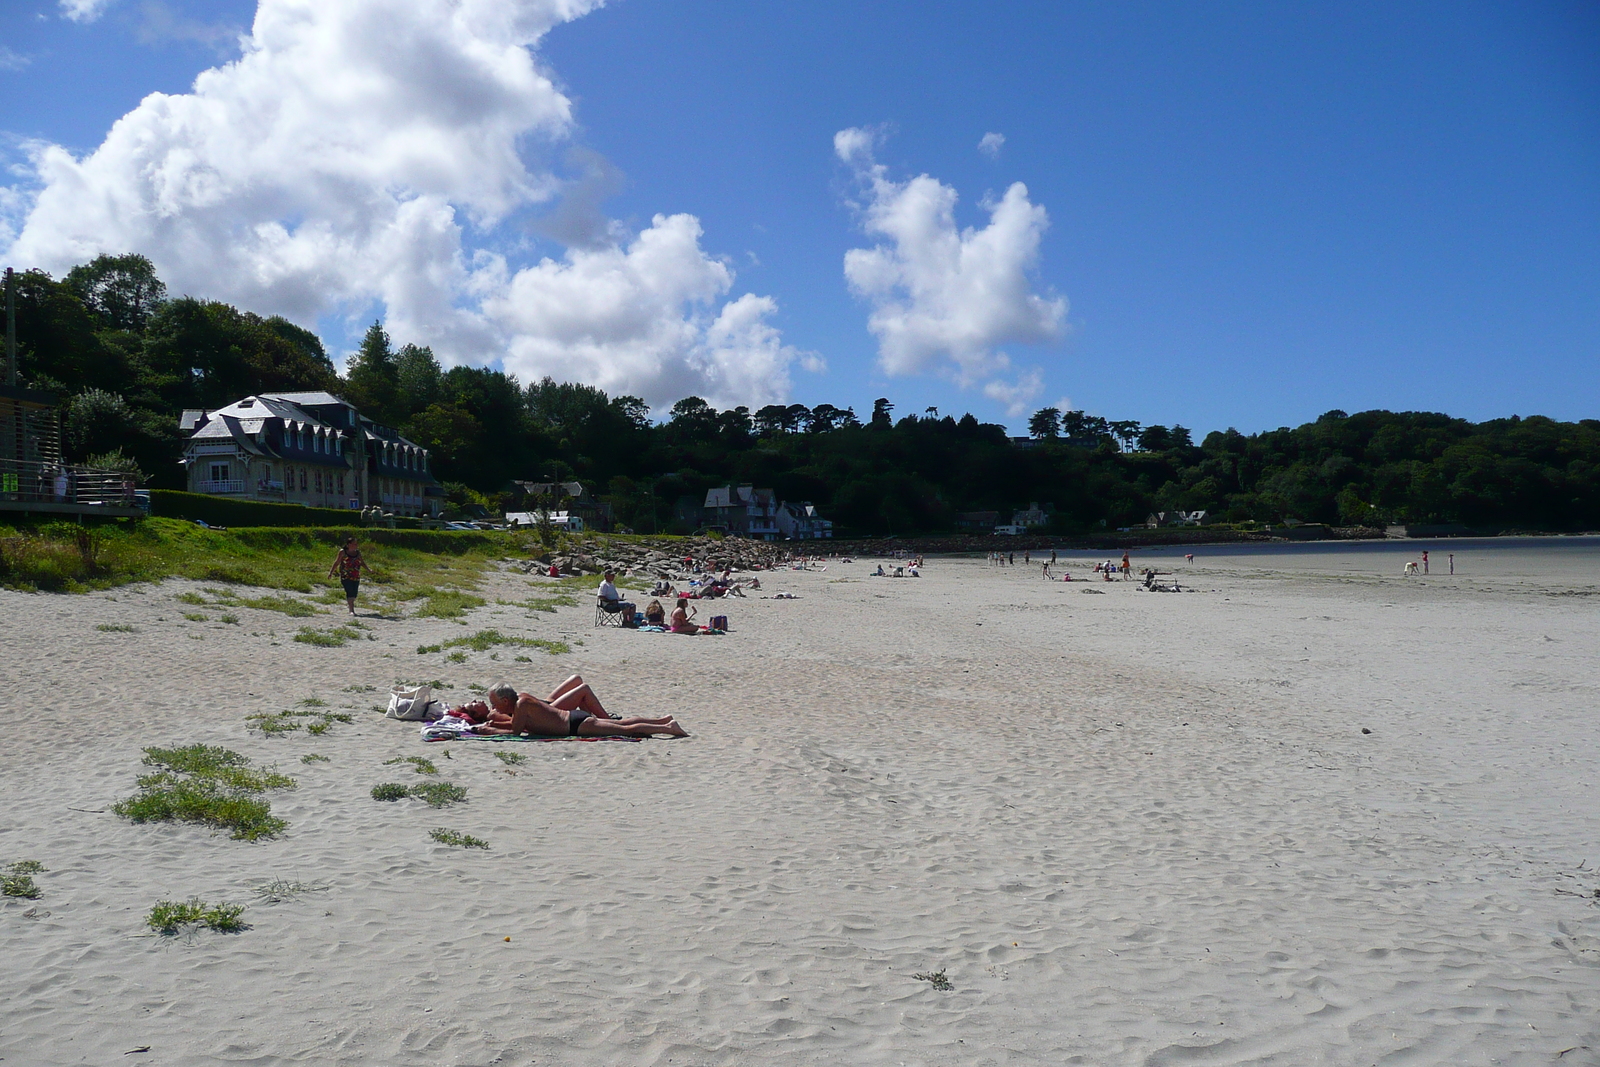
573 710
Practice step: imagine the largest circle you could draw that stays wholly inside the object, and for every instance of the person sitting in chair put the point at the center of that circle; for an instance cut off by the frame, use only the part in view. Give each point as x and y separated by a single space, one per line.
611 601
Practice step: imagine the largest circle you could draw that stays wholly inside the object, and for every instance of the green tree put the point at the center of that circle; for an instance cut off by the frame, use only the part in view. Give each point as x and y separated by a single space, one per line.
372 382
418 377
1045 423
122 291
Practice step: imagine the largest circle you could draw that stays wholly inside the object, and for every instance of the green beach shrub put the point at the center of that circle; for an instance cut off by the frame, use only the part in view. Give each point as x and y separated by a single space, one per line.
169 917
207 785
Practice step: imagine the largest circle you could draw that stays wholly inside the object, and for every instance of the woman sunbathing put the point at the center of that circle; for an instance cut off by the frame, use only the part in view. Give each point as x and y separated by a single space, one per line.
680 618
655 614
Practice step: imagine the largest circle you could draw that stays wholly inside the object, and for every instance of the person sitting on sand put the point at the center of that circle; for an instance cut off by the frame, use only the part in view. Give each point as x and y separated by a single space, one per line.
655 614
680 618
611 601
511 712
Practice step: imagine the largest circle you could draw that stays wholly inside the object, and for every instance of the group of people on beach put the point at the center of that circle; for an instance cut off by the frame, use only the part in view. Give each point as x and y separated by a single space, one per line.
681 620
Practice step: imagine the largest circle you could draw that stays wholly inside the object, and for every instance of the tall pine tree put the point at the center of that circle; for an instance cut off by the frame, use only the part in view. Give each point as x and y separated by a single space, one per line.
373 381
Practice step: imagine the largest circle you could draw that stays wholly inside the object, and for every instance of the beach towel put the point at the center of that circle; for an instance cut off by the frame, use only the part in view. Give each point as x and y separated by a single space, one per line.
451 728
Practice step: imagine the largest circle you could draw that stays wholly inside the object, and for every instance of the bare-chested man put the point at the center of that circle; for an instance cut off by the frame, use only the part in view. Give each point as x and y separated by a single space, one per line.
573 710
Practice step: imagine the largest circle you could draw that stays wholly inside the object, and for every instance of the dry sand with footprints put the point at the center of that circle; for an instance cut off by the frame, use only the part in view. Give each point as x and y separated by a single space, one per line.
1124 827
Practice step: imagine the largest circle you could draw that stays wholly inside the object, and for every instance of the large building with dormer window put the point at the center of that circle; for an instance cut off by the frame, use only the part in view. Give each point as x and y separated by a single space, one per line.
307 448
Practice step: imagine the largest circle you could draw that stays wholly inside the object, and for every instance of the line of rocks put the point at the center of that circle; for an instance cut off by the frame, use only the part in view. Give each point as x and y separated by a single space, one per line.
663 560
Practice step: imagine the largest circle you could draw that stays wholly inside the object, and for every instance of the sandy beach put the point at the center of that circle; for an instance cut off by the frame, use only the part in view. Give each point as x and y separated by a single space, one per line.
1127 827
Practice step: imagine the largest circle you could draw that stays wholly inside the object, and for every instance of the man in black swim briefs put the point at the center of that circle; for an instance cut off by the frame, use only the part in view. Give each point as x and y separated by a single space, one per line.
511 712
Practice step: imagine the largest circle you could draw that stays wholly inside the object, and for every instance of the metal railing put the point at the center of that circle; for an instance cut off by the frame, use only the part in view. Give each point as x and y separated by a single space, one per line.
24 482
225 485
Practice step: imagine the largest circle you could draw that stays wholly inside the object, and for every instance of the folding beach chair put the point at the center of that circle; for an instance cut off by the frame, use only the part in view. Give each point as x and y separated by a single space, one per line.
607 612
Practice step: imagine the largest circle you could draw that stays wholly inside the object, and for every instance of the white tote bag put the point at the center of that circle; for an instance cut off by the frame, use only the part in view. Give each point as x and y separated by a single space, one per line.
414 704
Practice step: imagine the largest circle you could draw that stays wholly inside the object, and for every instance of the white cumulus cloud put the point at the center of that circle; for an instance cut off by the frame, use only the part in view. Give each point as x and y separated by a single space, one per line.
991 144
1016 395
84 10
944 298
389 153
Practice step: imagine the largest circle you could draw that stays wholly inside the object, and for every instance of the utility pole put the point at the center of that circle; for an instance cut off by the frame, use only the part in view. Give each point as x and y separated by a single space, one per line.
11 328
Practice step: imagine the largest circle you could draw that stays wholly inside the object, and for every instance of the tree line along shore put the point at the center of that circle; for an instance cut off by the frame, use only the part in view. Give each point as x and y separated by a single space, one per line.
125 359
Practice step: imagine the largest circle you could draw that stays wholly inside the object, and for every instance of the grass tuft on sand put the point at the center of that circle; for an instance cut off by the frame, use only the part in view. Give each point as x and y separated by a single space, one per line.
169 917
455 839
16 879
420 764
207 785
331 638
436 794
484 640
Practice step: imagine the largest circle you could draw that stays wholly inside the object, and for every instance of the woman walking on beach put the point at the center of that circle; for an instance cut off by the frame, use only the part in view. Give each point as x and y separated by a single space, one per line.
349 565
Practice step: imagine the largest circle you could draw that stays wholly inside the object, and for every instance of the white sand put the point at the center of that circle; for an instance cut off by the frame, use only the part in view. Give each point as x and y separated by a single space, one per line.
1132 828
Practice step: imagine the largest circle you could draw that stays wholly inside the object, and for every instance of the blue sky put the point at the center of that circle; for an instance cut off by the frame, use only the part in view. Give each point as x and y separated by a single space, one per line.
1257 212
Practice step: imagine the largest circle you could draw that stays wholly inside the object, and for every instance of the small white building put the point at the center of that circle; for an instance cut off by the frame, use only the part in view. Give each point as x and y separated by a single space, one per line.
800 522
1033 515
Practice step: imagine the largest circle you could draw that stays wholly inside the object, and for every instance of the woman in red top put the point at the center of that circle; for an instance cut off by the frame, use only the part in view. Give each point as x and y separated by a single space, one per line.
349 565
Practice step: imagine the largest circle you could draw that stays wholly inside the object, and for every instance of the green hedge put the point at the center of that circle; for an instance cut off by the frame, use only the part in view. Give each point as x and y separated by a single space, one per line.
453 542
221 511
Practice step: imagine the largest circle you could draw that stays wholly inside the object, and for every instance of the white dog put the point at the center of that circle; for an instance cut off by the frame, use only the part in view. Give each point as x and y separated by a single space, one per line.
1411 567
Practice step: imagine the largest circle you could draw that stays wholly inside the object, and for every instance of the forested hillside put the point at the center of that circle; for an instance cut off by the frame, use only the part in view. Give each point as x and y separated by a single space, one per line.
125 359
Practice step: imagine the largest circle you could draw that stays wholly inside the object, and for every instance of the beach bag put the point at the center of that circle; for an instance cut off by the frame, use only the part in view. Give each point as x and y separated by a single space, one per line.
719 622
414 705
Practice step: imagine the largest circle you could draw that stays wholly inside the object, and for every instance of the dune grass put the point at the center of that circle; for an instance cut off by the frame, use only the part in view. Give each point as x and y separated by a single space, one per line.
208 785
66 557
436 794
334 637
170 917
456 839
420 764
273 723
16 879
484 640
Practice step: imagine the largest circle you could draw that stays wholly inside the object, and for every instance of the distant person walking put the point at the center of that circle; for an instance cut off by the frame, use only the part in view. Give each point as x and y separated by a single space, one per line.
1424 562
1052 557
1127 566
1452 563
348 564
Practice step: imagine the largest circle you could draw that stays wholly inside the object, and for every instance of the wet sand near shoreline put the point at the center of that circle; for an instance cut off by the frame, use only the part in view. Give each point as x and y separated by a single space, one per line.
1127 827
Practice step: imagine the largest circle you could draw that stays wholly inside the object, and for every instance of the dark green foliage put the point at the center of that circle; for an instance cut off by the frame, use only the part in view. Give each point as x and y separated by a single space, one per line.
390 791
439 794
122 291
220 511
125 360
